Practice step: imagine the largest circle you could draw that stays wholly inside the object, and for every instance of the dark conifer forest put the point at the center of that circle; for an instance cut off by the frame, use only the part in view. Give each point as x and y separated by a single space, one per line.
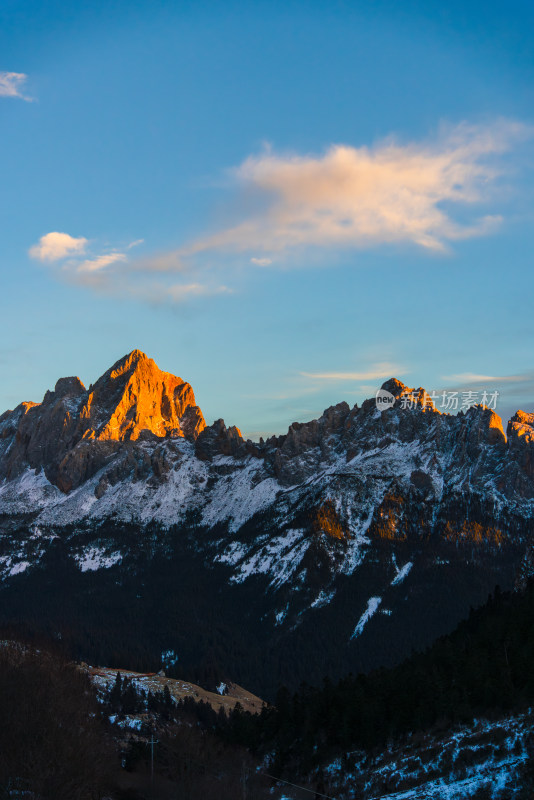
56 741
483 668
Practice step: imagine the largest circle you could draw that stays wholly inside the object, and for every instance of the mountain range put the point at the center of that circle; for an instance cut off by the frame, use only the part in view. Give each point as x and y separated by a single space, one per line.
129 528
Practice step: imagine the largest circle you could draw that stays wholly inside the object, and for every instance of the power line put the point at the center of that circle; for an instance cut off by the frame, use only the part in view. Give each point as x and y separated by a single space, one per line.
296 786
243 775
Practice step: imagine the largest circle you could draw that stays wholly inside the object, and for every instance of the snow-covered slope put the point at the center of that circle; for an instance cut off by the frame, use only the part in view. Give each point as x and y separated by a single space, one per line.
483 760
363 514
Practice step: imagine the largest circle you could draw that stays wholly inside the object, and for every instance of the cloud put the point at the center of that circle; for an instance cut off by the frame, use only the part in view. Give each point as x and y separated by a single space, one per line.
361 197
473 377
422 194
55 246
261 262
101 262
383 370
11 84
113 274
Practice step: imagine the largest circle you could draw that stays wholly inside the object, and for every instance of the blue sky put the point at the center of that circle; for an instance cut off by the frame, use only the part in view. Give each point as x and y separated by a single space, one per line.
283 203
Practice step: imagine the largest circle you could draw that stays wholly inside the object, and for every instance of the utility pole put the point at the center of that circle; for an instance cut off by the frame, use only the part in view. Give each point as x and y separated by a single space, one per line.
244 780
152 743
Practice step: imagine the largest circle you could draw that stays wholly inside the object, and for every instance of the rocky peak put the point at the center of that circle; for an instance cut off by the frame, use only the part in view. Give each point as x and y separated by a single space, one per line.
394 387
521 424
135 396
407 398
303 435
69 387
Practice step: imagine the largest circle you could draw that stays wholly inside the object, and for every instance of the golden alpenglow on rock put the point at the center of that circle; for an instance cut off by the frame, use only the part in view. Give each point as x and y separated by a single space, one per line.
75 431
133 396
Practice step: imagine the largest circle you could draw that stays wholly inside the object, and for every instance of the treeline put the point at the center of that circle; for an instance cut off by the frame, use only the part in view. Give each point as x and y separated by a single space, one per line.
485 667
124 697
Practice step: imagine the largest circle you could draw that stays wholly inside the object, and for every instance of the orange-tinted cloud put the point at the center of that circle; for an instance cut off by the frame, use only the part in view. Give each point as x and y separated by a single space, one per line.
364 196
54 246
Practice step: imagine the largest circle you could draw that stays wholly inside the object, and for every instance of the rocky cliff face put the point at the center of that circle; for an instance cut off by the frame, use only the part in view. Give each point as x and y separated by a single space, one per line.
75 431
380 526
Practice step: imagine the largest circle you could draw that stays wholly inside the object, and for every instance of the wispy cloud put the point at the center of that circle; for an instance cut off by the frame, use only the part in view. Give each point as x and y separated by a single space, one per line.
473 377
361 197
422 194
11 84
112 273
101 262
55 246
376 371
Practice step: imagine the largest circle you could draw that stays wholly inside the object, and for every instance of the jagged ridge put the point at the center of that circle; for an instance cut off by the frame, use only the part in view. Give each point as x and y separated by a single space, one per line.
363 515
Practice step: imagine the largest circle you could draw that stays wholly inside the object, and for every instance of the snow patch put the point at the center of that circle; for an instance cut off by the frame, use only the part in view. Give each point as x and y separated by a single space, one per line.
169 658
22 566
279 557
233 554
372 607
134 723
281 615
96 558
323 598
402 573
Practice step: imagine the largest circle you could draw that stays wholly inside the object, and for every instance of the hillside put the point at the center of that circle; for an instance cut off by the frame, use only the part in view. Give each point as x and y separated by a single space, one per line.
225 698
452 722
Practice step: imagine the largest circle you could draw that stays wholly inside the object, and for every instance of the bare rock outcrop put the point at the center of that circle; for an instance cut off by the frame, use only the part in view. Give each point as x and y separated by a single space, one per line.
296 455
218 440
521 441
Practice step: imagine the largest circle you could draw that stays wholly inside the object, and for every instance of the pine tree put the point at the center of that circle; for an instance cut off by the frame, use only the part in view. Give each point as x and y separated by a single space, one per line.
167 698
116 693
